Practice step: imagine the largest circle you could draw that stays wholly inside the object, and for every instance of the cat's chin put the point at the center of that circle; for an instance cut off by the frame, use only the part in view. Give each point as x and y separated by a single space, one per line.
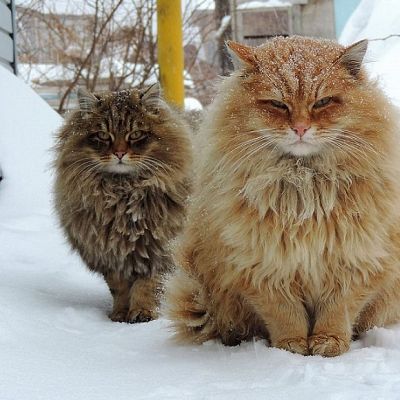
120 169
301 149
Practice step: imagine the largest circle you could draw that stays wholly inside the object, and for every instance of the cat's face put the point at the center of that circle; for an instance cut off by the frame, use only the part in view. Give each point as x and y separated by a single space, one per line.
123 132
301 93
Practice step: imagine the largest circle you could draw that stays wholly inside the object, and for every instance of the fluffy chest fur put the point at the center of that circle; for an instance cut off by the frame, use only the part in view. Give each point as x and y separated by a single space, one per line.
296 221
119 225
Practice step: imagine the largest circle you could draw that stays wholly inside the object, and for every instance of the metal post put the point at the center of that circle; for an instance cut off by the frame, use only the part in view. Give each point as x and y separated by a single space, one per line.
170 50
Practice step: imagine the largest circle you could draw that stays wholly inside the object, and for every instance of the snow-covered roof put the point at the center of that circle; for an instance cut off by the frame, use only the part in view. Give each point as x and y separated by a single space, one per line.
210 5
264 4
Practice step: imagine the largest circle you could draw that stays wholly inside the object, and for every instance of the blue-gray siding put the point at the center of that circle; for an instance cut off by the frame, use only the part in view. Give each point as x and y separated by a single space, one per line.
7 35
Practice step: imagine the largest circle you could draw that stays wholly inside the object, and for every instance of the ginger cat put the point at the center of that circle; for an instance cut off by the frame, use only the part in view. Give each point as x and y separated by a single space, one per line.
294 232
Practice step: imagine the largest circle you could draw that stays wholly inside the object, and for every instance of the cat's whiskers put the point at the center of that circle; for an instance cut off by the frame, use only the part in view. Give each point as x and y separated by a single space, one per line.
82 172
73 173
245 158
81 161
160 163
351 142
348 148
239 148
260 146
155 163
150 164
346 134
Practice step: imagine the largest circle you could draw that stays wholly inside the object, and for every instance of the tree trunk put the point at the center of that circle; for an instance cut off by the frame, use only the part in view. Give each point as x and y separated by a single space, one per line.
222 9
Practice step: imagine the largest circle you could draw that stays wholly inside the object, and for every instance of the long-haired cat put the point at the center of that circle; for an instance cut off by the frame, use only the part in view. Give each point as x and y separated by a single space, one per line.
122 181
294 234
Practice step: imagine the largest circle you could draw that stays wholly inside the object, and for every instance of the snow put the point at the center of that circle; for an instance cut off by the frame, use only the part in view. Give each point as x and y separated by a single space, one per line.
198 4
264 4
192 104
210 4
226 20
56 341
374 19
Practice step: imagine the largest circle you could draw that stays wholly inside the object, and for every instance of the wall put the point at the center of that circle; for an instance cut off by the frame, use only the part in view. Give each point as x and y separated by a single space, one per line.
7 37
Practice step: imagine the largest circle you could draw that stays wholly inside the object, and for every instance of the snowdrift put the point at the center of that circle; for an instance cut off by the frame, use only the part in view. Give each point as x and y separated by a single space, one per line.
26 126
374 19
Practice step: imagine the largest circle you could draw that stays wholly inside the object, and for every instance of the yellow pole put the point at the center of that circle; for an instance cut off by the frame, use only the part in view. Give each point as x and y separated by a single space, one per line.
170 50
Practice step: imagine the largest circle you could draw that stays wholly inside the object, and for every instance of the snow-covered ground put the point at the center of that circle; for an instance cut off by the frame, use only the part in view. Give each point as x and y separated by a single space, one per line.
56 341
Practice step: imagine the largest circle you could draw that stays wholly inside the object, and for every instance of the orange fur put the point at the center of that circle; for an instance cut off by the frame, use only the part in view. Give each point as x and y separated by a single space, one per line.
294 242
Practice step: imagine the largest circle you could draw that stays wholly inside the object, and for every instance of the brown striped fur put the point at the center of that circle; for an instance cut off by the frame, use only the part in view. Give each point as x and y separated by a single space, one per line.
122 214
295 242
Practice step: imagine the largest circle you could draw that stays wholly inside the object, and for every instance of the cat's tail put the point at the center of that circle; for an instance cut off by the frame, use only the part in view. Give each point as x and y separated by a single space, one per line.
185 305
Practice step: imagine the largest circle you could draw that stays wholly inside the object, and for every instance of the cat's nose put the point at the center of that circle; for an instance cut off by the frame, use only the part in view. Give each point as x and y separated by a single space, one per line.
301 128
120 154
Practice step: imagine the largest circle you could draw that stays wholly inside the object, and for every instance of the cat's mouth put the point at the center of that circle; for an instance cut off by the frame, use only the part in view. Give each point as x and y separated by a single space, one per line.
302 147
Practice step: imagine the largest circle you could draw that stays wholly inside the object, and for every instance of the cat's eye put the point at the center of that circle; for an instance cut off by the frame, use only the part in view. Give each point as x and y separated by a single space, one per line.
138 138
323 102
103 135
275 104
279 104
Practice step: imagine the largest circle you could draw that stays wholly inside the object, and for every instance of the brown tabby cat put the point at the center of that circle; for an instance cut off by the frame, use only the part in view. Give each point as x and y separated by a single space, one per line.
122 182
294 233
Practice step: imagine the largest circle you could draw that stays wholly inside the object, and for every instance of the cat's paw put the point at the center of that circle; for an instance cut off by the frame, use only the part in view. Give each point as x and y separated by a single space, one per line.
328 345
118 316
141 315
297 345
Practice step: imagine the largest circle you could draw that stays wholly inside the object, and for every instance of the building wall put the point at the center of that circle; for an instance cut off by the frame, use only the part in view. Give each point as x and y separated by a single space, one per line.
317 19
7 35
314 18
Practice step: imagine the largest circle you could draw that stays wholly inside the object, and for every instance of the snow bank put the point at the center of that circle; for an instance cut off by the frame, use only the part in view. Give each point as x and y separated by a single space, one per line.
374 19
26 125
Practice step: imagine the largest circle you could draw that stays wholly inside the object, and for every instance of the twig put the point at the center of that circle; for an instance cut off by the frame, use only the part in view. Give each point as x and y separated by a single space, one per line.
384 38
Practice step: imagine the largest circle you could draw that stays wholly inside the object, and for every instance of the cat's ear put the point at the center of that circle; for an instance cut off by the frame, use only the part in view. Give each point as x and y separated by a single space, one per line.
353 56
87 100
153 92
241 55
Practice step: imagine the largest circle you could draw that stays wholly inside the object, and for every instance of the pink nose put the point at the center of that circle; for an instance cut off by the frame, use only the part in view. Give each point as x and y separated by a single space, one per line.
120 154
301 128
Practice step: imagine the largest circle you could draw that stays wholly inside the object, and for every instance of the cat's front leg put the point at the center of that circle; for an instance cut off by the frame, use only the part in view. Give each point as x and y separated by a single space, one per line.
144 299
334 320
120 289
285 318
